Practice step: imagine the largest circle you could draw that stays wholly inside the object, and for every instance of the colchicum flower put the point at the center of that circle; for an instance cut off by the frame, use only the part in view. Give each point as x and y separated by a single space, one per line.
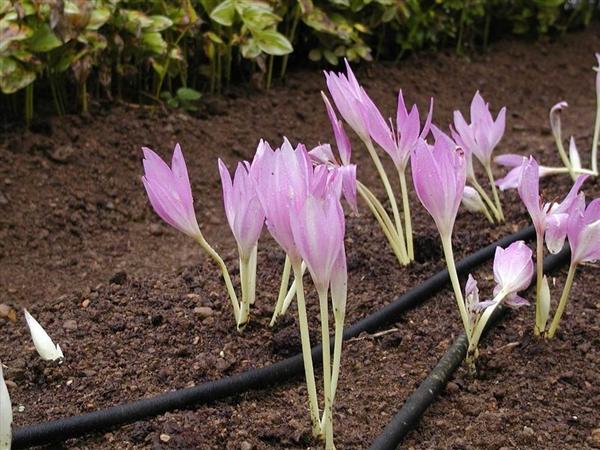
170 195
555 126
356 108
245 217
42 342
514 162
169 191
399 144
583 231
550 221
480 138
439 176
513 271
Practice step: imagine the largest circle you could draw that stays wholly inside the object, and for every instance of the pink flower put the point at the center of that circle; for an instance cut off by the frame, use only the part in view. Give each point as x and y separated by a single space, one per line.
350 99
483 134
169 191
583 231
513 161
318 229
513 271
439 178
242 207
398 143
323 154
550 218
283 181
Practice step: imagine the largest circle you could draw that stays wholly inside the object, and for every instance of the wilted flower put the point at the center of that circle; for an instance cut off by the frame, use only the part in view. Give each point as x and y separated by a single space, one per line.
169 191
473 202
512 178
42 342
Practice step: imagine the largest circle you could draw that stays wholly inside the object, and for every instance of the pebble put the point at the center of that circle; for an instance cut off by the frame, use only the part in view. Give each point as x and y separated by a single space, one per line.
528 431
245 445
204 311
452 388
85 303
6 312
70 325
596 435
165 437
62 154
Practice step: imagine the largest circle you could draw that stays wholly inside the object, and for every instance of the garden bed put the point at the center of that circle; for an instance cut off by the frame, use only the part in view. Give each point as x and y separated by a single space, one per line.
127 298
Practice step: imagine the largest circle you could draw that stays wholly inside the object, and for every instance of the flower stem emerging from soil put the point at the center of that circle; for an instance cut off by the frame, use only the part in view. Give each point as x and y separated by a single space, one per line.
540 321
306 352
407 218
385 222
563 301
449 255
327 424
486 198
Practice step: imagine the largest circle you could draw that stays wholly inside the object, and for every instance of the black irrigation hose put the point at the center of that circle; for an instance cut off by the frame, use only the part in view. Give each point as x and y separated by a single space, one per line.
253 379
418 402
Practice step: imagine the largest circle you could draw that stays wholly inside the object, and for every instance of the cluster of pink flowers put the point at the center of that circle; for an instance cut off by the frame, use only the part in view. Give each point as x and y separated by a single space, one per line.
298 195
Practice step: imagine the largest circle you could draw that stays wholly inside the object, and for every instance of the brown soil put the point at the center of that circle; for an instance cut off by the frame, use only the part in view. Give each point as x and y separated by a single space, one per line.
118 289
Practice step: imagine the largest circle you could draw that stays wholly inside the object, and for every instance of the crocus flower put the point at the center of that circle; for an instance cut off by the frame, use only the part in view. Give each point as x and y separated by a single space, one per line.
439 178
169 191
399 142
283 180
514 162
550 218
242 207
350 99
513 271
483 134
42 342
318 231
6 416
323 154
584 231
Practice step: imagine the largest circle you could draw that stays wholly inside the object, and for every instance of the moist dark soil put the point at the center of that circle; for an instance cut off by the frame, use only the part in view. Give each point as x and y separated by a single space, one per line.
139 310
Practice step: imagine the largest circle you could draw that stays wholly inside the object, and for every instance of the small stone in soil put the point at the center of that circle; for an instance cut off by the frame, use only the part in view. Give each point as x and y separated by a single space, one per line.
6 312
203 311
165 437
245 445
70 325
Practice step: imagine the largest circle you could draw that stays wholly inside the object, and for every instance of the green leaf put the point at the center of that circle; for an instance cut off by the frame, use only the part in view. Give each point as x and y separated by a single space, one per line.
13 76
154 42
257 18
188 94
250 49
315 55
273 43
224 13
160 23
98 18
330 57
43 40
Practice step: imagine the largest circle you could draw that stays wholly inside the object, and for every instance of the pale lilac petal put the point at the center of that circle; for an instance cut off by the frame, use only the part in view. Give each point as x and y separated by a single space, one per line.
556 232
515 301
511 179
530 194
322 154
513 268
509 160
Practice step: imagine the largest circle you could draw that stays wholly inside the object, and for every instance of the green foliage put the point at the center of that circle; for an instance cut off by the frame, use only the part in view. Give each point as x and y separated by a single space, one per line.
150 44
184 98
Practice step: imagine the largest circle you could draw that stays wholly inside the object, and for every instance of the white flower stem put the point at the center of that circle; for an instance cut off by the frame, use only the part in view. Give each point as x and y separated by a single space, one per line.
388 188
539 267
407 218
477 331
247 294
562 153
490 175
337 355
384 222
306 352
486 198
596 137
564 298
327 425
283 288
252 265
291 293
228 284
449 255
